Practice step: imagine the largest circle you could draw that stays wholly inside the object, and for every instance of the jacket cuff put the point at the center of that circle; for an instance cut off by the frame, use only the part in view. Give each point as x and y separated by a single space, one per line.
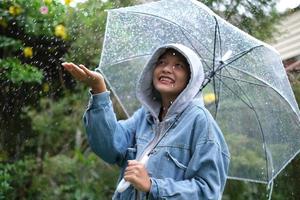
99 100
154 193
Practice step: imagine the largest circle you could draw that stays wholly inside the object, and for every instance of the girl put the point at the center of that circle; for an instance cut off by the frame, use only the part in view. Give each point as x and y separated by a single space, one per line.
188 156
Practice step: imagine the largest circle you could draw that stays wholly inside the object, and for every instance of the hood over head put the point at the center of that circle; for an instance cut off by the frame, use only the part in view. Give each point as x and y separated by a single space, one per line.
150 97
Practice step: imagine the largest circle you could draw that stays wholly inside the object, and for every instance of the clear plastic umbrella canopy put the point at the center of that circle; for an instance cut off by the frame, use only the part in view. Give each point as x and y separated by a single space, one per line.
246 90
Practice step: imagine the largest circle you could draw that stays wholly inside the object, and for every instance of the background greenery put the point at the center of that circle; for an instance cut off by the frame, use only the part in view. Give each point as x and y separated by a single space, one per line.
43 149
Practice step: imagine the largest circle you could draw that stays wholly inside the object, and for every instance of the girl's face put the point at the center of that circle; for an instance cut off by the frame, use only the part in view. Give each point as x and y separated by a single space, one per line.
171 74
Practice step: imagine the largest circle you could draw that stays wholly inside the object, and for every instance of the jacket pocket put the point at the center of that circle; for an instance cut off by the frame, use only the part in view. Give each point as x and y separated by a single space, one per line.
172 163
176 162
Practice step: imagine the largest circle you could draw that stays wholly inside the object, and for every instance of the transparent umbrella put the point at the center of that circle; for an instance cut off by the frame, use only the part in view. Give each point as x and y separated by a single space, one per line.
246 87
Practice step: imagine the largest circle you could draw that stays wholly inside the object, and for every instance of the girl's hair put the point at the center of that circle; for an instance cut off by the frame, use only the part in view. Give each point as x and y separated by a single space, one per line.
175 53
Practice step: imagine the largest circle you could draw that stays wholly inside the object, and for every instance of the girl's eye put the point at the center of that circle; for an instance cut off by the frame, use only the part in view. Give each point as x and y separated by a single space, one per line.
178 66
160 62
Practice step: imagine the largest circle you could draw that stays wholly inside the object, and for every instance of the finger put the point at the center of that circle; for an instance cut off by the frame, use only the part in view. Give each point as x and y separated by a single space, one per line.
132 175
86 70
76 71
130 169
133 162
130 178
131 172
67 65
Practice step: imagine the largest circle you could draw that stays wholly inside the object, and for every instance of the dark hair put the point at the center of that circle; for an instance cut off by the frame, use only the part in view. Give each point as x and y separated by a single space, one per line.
177 53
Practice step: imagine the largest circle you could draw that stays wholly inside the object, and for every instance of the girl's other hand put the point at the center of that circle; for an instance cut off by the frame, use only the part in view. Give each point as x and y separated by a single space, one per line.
91 78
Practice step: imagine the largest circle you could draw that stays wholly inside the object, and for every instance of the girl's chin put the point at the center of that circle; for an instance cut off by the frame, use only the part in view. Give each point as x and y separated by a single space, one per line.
167 91
164 87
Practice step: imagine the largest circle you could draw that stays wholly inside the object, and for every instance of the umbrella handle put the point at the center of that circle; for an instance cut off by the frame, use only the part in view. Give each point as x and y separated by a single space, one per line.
123 185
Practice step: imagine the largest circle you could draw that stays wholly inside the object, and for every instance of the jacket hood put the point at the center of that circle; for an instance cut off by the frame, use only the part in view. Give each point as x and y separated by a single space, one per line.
150 98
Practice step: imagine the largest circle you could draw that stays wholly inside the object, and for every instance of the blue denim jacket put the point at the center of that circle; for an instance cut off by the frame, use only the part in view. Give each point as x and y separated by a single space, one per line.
190 161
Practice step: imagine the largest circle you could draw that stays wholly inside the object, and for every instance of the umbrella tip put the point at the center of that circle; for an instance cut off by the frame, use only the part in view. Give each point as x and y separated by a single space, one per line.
226 56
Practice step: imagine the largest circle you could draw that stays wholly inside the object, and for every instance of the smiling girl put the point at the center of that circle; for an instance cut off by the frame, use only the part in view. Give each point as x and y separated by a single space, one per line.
187 155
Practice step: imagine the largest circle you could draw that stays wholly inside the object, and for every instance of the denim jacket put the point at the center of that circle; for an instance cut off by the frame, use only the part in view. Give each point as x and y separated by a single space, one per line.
191 159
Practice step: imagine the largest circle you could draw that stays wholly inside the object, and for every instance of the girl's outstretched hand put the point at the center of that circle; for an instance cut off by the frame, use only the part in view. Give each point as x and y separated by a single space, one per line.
91 78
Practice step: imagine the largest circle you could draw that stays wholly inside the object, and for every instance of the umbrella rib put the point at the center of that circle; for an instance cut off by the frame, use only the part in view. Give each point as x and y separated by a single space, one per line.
181 28
240 87
223 83
223 65
218 99
256 115
267 85
217 34
242 80
237 56
258 121
207 65
264 142
215 41
126 59
214 63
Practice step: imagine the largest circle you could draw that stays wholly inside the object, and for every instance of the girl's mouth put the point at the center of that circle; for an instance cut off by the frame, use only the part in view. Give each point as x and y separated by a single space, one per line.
166 80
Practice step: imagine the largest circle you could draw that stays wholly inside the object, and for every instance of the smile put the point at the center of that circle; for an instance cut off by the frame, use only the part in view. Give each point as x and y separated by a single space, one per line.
165 79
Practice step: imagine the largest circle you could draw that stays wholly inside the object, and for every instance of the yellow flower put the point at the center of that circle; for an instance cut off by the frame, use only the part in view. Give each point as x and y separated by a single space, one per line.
67 2
209 98
15 10
46 87
48 1
60 31
28 52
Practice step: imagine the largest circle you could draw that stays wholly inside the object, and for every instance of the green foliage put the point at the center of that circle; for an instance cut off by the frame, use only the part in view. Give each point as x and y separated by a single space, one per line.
65 169
30 14
258 18
241 190
5 179
296 89
56 123
295 82
18 73
240 164
80 177
9 44
87 26
14 177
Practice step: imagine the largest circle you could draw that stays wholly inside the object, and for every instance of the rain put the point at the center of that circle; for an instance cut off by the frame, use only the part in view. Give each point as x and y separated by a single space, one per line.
44 152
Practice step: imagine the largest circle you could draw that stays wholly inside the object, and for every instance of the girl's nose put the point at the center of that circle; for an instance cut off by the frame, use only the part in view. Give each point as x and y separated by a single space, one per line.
168 68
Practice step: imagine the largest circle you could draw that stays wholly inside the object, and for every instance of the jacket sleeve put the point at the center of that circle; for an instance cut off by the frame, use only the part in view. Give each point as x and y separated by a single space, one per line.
206 171
108 138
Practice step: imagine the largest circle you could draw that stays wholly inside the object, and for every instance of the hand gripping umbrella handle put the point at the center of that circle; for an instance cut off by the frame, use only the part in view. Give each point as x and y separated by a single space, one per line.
123 185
